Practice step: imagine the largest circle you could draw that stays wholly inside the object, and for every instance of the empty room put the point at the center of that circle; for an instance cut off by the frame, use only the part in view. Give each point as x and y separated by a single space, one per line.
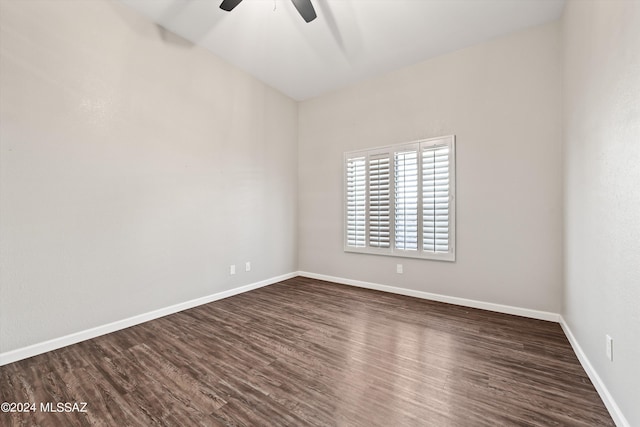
320 213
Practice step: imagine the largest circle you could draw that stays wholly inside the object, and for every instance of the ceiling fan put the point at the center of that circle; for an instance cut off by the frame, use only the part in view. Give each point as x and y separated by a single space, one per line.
304 7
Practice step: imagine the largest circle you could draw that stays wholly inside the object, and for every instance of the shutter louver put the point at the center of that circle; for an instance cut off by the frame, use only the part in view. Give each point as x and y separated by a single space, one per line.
406 200
356 202
379 199
435 199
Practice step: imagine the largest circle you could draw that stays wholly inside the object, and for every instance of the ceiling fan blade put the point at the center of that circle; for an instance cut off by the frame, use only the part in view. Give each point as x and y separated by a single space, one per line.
305 9
228 5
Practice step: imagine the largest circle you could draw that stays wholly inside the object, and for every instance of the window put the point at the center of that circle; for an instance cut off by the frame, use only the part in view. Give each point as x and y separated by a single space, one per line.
399 200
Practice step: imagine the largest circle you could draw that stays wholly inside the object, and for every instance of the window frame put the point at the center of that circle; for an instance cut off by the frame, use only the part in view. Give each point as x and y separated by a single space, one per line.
390 150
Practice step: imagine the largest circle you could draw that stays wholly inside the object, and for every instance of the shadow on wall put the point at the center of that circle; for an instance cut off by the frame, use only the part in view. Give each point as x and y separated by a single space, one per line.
170 37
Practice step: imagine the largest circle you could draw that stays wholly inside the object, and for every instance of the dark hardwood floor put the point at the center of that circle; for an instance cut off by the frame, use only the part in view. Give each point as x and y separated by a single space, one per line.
306 352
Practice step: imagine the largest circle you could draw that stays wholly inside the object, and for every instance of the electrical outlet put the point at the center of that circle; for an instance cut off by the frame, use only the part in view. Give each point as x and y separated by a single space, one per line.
399 269
232 269
247 266
609 348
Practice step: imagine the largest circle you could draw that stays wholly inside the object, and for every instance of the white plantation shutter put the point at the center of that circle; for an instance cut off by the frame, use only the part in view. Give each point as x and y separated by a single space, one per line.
435 198
356 203
400 200
379 201
406 200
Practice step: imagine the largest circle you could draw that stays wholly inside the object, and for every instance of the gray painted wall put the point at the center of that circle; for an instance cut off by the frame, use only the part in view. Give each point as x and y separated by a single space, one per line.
135 168
502 100
602 190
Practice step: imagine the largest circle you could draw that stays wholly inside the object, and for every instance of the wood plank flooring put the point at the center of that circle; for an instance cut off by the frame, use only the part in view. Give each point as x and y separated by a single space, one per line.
309 353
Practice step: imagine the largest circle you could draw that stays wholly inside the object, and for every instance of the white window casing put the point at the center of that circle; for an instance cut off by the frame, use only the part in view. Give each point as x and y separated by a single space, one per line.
400 200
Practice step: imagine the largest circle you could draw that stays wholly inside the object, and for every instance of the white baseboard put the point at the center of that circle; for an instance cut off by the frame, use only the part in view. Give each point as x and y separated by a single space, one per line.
612 406
56 343
53 344
518 311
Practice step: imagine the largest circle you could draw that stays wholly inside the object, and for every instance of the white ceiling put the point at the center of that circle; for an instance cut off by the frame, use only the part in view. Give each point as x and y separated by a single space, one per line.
349 41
